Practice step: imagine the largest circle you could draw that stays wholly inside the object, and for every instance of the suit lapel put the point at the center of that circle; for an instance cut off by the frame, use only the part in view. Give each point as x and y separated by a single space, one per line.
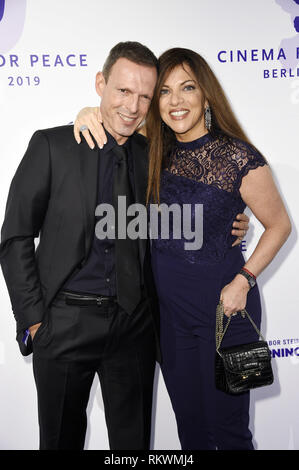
88 178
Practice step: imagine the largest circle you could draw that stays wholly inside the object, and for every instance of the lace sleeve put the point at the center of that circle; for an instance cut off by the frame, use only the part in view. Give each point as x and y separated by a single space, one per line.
247 158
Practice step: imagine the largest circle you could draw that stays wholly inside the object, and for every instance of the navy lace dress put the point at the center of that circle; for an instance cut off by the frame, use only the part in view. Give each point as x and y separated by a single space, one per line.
207 171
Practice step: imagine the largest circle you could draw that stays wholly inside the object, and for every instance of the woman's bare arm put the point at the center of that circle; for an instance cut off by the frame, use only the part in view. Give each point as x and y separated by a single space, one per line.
259 192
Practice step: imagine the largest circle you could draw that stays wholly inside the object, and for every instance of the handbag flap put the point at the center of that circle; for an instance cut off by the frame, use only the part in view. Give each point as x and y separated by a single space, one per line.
249 358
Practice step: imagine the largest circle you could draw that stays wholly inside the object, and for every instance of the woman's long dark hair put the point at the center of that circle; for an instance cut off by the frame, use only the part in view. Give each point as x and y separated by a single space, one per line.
161 137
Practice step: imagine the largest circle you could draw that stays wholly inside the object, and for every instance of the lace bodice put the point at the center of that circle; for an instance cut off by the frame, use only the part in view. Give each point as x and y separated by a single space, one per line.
220 162
207 171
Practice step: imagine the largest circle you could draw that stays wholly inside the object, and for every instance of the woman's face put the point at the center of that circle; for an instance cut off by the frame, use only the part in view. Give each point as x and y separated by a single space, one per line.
182 104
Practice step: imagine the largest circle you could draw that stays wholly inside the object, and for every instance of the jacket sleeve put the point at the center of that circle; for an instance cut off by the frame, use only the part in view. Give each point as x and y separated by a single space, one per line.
25 212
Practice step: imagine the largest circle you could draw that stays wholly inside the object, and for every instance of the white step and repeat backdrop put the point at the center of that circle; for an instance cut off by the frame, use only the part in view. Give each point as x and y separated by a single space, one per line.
50 52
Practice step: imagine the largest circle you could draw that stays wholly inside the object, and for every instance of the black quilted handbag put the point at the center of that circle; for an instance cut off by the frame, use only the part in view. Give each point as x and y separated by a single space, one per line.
243 367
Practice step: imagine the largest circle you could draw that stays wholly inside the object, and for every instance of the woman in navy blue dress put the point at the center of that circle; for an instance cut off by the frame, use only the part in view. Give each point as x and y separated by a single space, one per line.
199 154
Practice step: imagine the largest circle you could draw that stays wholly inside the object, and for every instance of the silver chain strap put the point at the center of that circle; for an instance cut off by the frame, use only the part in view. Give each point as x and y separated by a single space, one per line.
219 324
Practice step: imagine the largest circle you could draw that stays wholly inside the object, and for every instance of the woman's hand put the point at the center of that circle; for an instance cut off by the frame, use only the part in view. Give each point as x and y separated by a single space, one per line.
92 119
234 295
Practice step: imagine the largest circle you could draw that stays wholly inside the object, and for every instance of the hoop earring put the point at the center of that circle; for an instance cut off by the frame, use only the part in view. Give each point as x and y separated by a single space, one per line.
208 118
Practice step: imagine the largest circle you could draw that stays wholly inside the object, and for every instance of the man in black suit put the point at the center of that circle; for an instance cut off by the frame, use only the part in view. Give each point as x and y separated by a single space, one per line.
87 302
88 305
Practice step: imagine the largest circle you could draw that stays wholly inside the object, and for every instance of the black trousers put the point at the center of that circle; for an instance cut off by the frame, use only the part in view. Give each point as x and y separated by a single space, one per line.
71 346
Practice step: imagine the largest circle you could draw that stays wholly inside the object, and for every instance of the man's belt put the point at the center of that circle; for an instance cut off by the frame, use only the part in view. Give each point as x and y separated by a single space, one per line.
72 298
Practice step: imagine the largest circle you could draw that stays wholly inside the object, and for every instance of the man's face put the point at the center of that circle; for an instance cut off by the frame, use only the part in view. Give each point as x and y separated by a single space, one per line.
126 97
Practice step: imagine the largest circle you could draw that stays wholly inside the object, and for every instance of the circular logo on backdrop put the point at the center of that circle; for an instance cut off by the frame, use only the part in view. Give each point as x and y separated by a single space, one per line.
2 2
292 43
12 18
296 20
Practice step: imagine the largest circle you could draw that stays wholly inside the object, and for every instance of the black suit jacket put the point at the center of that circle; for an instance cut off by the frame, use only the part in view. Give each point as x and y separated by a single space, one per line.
53 196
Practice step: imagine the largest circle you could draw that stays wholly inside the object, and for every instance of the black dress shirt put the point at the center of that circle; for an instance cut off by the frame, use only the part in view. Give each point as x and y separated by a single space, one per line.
98 275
